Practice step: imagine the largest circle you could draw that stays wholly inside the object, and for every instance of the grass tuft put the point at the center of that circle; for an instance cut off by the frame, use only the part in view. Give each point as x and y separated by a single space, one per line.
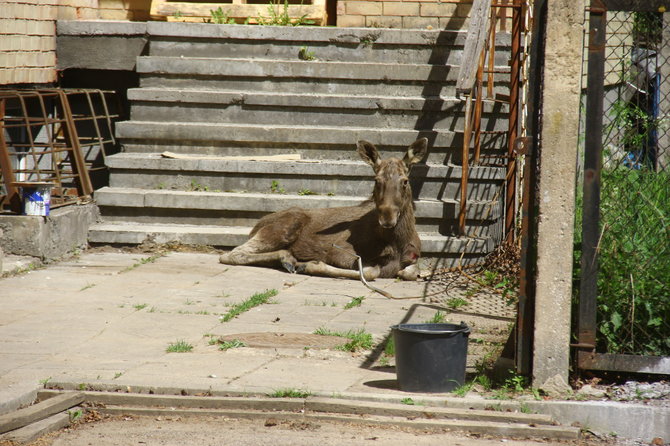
180 346
290 393
234 343
358 340
254 301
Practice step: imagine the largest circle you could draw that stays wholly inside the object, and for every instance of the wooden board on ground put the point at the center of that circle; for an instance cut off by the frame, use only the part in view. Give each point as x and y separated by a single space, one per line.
39 411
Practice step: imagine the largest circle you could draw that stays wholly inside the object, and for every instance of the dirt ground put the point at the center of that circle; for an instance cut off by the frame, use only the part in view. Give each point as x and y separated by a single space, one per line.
151 431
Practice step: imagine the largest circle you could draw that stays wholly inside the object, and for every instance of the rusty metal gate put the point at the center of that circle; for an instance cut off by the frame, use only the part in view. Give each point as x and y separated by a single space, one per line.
624 275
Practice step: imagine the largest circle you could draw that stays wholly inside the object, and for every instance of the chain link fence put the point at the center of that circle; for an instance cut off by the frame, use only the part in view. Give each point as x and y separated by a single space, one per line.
633 250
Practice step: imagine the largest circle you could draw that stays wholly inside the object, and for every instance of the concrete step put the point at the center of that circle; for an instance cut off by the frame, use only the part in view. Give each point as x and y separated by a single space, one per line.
321 43
446 249
247 107
244 209
320 177
316 77
313 142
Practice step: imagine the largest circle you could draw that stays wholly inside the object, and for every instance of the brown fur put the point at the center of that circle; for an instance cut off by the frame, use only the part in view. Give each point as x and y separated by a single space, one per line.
380 230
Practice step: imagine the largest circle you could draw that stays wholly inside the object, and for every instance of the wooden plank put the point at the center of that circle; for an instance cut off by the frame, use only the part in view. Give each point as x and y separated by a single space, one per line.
474 44
39 411
200 402
35 430
657 365
282 157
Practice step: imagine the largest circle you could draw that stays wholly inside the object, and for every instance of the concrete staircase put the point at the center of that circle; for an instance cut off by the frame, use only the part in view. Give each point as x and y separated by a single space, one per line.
214 91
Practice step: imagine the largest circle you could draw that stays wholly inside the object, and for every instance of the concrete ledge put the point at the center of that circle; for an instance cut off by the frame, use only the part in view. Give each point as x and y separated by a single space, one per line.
220 133
100 28
100 45
340 168
263 202
351 36
296 69
48 238
306 100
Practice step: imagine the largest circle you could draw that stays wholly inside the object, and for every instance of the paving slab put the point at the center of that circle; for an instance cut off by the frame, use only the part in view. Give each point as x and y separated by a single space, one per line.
105 319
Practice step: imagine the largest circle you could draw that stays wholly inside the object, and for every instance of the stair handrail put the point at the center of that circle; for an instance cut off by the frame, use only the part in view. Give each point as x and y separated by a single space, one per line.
469 83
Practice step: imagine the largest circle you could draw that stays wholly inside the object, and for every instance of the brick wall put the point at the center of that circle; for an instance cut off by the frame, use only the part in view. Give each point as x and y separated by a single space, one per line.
27 41
424 14
432 14
28 33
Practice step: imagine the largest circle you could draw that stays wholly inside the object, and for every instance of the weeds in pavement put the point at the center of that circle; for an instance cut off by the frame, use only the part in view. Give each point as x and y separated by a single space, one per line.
180 346
290 393
358 340
254 301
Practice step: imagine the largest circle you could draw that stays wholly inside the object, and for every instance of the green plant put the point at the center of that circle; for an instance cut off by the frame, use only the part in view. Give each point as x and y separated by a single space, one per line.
234 343
75 414
197 187
516 383
290 393
456 302
633 260
139 307
45 381
221 17
438 318
275 188
358 340
305 54
180 346
118 375
355 302
524 408
306 192
144 261
278 15
463 390
87 286
389 347
484 381
253 301
408 401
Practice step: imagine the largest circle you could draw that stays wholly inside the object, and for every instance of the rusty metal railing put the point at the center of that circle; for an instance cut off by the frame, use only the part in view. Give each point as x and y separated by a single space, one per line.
478 62
48 135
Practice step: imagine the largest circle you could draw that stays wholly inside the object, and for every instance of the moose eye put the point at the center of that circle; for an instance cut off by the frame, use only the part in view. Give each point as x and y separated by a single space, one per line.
405 182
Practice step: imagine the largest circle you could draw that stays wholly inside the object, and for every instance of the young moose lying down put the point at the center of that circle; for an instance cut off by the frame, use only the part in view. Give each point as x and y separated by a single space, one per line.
322 242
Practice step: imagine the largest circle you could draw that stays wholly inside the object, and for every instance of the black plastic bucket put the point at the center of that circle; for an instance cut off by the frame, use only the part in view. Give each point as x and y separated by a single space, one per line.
430 357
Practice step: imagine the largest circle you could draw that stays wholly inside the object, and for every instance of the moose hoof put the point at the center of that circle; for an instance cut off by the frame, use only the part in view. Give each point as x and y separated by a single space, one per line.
411 273
371 273
288 266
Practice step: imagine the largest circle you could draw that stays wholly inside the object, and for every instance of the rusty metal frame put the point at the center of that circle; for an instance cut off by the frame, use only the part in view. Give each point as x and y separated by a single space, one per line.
529 147
62 146
586 357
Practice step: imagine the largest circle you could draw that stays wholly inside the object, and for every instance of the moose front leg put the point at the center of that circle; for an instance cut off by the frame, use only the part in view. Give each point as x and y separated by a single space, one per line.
252 253
318 268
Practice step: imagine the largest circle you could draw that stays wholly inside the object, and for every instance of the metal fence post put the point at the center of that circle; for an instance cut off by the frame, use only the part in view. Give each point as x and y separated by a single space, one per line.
588 291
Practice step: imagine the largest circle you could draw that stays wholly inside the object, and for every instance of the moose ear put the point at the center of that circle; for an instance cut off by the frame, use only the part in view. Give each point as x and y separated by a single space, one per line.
369 153
416 151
